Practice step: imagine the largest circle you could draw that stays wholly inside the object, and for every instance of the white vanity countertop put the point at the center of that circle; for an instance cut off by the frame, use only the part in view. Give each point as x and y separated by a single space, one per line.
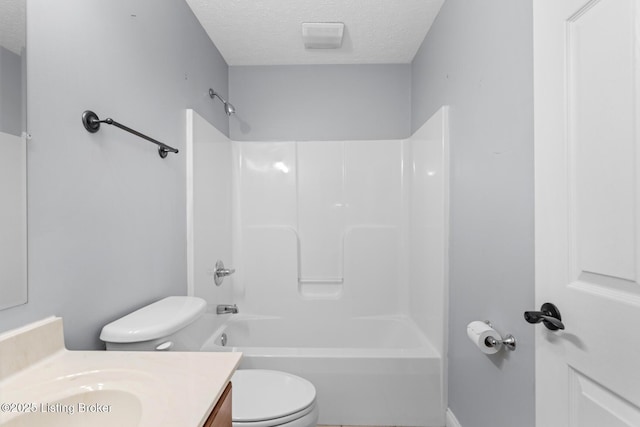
38 374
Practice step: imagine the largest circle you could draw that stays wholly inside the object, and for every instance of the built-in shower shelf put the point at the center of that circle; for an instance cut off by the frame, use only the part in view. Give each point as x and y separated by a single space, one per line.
330 288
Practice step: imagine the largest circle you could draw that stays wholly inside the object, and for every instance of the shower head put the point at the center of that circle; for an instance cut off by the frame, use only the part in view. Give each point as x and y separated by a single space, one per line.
228 108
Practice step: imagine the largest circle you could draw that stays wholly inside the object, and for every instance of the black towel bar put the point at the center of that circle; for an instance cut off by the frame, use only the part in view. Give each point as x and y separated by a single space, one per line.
91 123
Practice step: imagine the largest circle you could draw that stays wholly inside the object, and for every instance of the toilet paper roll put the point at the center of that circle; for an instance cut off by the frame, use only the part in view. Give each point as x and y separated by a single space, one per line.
478 332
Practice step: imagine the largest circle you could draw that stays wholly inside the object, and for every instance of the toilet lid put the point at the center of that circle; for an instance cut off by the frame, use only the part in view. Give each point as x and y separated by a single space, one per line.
260 395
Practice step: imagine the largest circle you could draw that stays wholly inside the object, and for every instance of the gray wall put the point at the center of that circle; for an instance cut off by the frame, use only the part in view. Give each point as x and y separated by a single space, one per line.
11 102
478 58
106 214
320 102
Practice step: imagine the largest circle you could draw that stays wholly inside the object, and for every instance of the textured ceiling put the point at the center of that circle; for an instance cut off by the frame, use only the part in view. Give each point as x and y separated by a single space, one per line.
268 32
12 25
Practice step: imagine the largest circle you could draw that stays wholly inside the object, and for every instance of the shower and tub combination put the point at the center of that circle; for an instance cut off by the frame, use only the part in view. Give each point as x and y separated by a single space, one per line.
341 258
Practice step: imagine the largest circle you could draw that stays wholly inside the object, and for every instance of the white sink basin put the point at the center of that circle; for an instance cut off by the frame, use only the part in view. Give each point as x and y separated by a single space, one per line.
95 408
97 398
65 388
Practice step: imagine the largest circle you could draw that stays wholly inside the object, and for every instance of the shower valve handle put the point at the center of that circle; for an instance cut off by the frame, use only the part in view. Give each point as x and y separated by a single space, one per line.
225 272
220 273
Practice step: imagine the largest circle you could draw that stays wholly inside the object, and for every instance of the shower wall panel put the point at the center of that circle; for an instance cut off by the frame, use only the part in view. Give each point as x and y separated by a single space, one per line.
320 227
373 182
321 211
209 212
268 262
428 215
267 183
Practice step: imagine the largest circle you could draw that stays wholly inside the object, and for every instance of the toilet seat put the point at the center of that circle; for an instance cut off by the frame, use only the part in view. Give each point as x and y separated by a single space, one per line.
265 398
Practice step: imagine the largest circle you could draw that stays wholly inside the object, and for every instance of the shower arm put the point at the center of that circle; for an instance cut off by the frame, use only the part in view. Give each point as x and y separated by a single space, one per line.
213 93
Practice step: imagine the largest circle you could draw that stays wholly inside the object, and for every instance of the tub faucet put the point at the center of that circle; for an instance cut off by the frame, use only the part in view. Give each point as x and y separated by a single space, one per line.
227 308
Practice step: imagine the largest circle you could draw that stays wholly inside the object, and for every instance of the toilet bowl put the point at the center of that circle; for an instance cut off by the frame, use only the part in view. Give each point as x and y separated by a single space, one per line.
261 398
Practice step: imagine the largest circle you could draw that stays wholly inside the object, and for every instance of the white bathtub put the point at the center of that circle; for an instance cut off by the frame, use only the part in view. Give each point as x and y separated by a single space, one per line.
367 371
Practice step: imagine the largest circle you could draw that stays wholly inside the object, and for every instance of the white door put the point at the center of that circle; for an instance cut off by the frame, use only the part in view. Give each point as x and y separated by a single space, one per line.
587 156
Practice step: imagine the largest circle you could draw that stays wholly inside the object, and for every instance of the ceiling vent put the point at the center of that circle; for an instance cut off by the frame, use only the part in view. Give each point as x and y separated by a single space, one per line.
322 35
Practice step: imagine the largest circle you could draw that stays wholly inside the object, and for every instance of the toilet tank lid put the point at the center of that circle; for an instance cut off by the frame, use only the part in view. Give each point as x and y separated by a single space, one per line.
154 321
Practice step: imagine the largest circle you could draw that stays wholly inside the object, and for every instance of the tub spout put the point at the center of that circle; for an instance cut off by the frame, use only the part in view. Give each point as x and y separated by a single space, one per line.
226 309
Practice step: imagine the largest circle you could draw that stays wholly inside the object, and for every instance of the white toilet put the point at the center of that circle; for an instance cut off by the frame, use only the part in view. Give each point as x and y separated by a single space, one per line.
261 398
264 398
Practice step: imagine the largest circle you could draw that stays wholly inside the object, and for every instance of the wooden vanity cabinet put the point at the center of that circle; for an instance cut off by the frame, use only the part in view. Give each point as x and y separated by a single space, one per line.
221 414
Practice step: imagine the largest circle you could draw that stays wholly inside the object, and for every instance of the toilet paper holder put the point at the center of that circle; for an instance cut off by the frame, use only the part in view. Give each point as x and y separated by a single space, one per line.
508 341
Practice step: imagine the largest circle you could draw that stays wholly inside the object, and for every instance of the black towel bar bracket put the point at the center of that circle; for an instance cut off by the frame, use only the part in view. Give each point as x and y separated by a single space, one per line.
91 123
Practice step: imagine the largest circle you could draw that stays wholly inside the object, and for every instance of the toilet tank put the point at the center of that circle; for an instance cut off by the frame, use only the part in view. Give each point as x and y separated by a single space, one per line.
166 325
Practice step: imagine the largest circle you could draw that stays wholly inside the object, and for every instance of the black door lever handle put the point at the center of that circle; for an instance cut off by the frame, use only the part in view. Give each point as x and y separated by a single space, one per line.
549 315
538 316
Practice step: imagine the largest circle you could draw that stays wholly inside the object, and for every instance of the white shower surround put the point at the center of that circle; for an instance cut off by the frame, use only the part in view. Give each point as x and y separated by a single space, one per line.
362 223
